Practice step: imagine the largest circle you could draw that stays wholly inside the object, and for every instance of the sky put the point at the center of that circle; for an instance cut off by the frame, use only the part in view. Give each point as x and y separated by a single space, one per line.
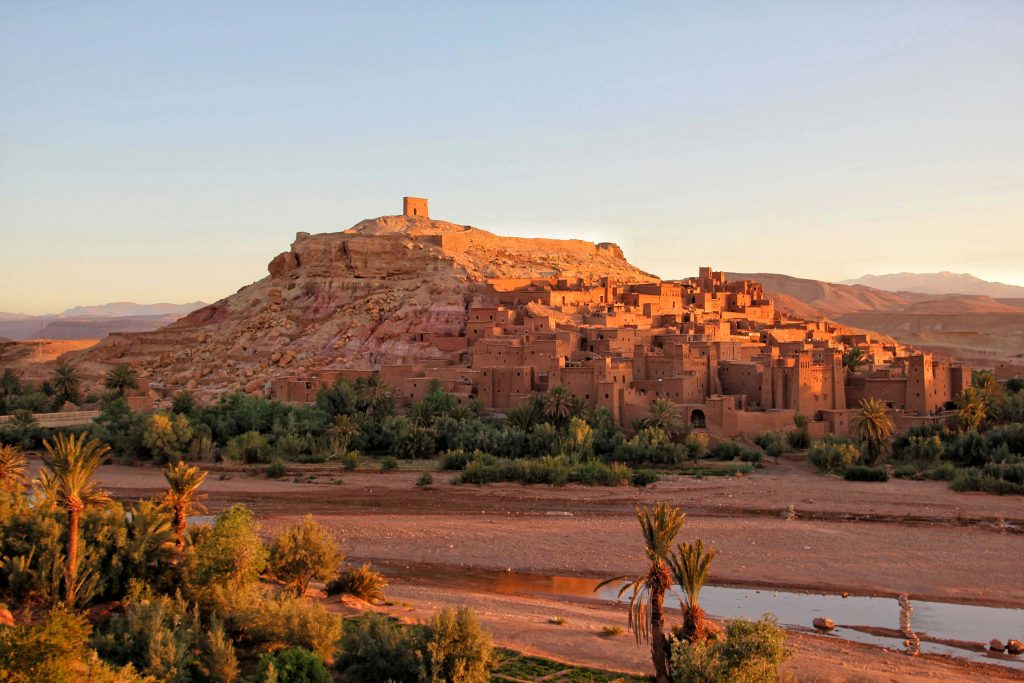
166 151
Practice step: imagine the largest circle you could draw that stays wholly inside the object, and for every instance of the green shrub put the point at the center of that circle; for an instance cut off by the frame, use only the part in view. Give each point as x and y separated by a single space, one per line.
833 456
294 665
924 450
799 439
946 471
772 443
458 649
375 648
751 652
291 621
906 470
696 445
349 460
389 463
865 473
732 450
249 448
426 479
276 469
290 446
977 480
596 473
362 582
643 478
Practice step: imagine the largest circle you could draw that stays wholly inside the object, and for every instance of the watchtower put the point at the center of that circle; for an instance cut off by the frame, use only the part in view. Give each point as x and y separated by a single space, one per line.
415 206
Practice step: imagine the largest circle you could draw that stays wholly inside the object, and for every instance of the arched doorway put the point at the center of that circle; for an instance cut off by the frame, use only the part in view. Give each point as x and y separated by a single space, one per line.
698 420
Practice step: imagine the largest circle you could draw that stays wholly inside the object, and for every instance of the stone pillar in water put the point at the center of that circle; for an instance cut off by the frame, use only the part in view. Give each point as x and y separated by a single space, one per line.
912 642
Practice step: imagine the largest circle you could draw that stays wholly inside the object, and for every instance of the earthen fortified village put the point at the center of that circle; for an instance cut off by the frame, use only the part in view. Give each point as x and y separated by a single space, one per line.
718 349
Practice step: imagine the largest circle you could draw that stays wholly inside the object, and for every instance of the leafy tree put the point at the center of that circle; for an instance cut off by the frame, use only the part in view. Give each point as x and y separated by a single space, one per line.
66 383
342 430
231 552
12 469
691 566
121 378
578 442
659 525
527 414
166 436
182 496
10 389
73 462
303 552
873 425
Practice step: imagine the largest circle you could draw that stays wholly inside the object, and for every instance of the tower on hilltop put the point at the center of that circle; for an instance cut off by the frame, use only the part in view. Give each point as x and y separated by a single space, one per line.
415 206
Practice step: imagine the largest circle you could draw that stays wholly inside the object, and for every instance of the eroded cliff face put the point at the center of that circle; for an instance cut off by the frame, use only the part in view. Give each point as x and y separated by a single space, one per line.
366 297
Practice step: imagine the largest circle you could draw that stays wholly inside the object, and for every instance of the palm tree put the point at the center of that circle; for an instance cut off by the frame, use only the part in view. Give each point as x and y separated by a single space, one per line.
527 414
375 396
691 567
664 415
873 425
972 410
12 469
65 382
121 378
181 498
150 536
646 606
558 403
73 462
993 393
854 360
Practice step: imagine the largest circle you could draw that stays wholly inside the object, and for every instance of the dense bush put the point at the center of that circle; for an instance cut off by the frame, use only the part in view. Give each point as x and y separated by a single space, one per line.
833 455
750 652
865 473
232 552
553 470
293 665
362 582
772 443
457 649
733 450
375 648
643 478
249 447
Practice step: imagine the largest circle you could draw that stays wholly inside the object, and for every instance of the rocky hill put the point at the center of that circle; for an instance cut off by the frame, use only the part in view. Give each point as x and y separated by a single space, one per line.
944 282
362 298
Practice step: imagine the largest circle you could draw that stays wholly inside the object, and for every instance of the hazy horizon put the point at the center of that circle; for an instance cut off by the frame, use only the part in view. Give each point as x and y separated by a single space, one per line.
167 153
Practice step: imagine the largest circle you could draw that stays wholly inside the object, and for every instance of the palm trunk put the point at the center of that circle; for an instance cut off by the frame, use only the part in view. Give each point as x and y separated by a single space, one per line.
180 523
658 644
71 573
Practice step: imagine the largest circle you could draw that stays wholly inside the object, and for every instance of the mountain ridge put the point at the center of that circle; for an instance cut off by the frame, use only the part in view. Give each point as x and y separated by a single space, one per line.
942 282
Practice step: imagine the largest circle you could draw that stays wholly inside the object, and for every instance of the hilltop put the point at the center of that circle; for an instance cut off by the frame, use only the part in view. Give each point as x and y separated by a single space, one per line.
368 296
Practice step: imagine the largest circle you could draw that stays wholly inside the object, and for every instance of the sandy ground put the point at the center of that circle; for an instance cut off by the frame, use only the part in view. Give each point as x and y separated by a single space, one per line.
863 538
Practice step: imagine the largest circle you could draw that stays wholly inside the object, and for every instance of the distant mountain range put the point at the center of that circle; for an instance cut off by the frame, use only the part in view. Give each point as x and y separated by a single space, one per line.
93 322
937 283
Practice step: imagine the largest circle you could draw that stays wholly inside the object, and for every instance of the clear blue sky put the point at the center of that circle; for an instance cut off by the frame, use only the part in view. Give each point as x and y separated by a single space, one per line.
166 151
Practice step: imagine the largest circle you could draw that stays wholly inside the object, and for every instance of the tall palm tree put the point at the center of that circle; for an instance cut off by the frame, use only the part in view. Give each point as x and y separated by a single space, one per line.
150 537
972 410
558 403
527 414
873 425
72 462
12 469
854 360
691 566
659 525
181 498
121 378
66 382
664 415
993 393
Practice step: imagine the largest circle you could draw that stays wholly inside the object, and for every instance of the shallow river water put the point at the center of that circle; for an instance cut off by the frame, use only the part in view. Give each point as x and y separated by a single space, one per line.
962 630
